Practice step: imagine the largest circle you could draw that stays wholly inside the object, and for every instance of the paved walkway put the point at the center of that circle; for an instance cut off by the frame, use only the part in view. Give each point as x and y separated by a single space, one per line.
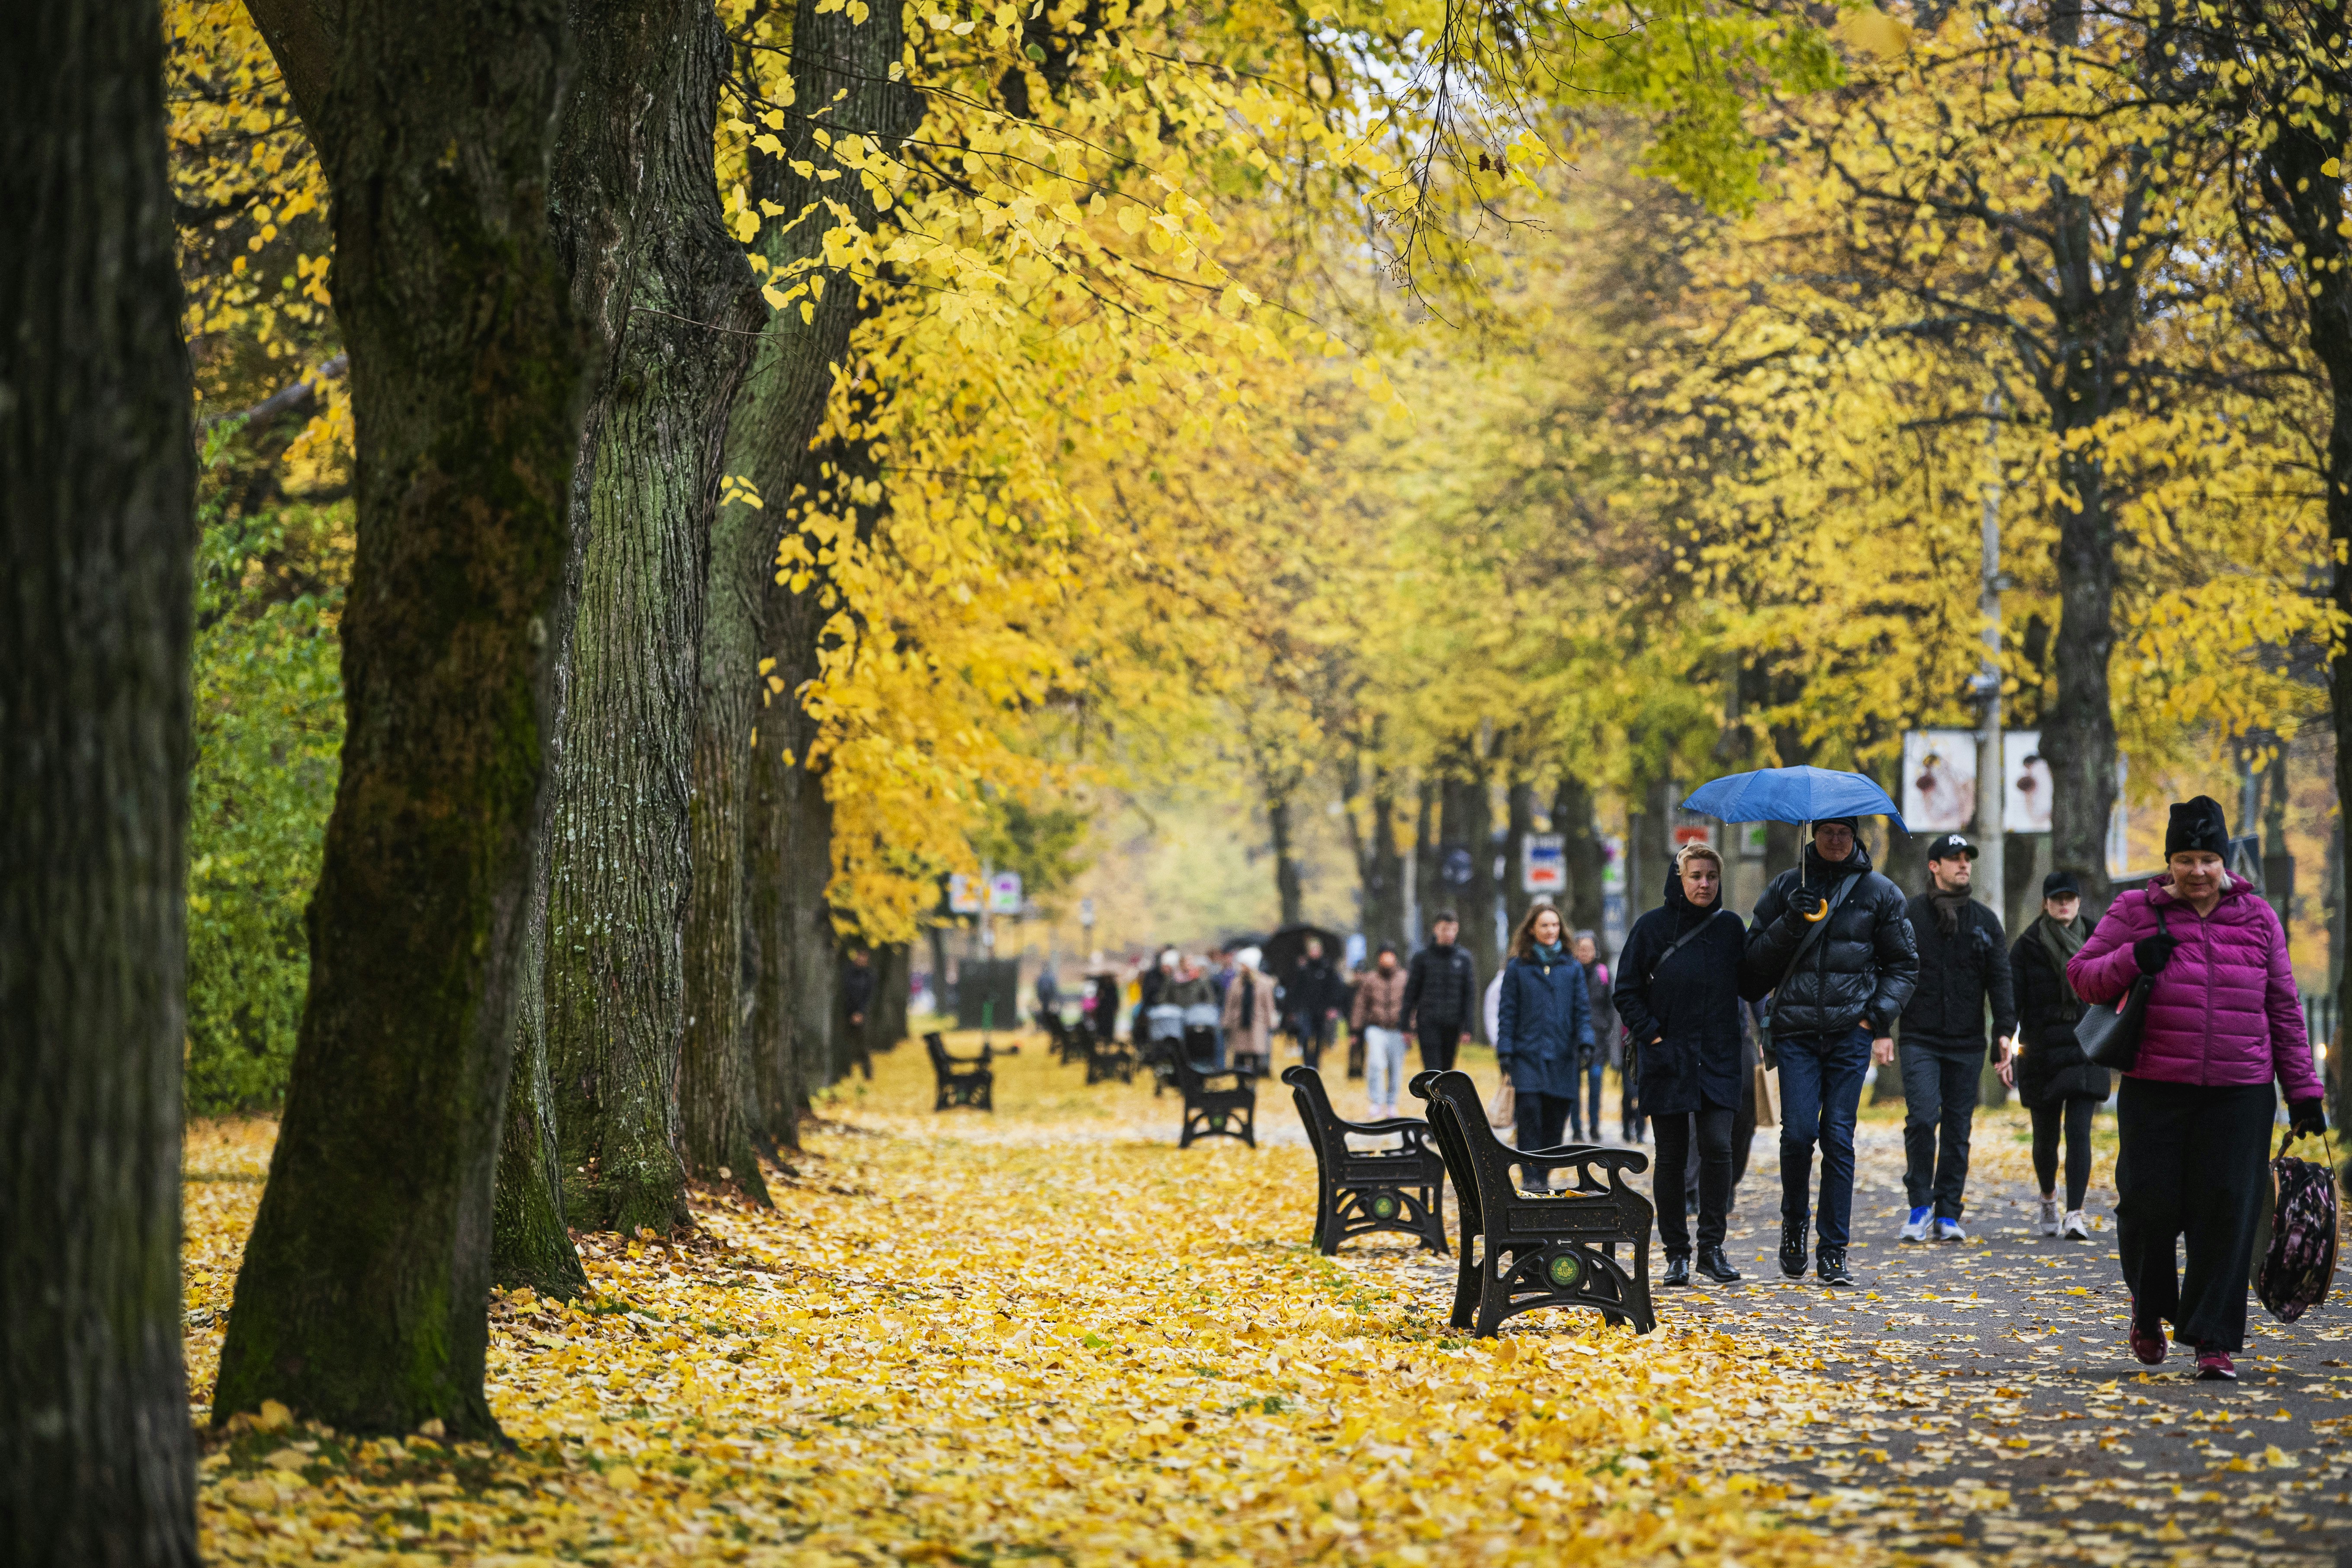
2008 1420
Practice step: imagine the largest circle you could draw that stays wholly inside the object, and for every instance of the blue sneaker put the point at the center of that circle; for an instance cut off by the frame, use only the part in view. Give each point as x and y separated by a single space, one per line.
1916 1227
1950 1230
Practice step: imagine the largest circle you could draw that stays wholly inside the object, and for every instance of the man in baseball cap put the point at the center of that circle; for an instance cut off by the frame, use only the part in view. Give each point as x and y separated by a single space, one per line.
1963 960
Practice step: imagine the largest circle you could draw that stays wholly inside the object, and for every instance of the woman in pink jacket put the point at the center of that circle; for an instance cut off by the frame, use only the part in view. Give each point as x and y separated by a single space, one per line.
2194 1115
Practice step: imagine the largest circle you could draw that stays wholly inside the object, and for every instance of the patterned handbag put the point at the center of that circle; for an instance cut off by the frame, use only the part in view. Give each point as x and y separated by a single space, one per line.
2295 1252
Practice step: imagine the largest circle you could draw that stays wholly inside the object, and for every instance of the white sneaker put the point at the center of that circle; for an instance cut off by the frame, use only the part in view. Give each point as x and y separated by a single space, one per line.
2049 1216
1950 1230
1916 1227
2077 1228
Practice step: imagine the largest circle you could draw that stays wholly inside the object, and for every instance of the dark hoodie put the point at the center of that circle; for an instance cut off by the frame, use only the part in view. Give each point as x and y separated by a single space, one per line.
1682 1015
1861 970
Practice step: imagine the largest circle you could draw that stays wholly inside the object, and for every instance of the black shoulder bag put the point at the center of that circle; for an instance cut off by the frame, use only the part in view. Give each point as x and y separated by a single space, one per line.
2109 1032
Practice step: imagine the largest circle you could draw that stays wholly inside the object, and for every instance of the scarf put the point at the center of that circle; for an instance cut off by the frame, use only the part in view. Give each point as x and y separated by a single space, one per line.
2062 943
1947 906
1548 953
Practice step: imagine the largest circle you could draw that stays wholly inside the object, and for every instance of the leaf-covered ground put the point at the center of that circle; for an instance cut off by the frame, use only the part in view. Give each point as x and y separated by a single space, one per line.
1049 1334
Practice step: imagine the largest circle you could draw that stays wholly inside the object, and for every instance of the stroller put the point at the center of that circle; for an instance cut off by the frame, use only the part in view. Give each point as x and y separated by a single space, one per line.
1163 1036
1204 1037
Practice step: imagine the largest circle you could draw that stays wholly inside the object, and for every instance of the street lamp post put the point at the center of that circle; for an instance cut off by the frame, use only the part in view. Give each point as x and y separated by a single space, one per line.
1992 780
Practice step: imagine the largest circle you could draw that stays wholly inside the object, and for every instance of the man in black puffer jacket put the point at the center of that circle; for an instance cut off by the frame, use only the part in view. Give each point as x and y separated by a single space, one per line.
1963 964
1835 998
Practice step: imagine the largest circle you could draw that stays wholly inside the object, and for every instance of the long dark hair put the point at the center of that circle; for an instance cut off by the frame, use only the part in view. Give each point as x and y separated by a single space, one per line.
1522 940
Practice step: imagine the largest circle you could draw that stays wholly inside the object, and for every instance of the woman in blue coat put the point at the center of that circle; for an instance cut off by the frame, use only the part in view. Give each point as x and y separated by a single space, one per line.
1678 993
1543 1026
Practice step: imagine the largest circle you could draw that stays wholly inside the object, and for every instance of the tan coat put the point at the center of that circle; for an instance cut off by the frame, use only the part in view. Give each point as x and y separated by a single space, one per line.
1253 1035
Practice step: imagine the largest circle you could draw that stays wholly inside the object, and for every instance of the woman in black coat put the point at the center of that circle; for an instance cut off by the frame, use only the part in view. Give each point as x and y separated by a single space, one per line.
2060 1086
1678 993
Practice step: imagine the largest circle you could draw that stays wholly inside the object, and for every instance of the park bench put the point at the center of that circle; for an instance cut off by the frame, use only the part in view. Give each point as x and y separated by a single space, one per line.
1358 1191
1542 1247
1215 1112
963 1080
1107 1059
1067 1044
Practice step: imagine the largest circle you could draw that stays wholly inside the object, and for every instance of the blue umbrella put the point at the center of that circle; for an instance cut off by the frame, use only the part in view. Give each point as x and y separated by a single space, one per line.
1791 795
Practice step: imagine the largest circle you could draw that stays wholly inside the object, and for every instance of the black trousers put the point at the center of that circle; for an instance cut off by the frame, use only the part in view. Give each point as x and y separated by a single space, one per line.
2075 1117
1669 1183
1541 1118
1438 1043
2190 1166
1939 1109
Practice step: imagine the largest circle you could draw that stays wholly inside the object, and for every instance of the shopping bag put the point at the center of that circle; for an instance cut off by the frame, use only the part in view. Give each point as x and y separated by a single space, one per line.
1767 1096
1503 1112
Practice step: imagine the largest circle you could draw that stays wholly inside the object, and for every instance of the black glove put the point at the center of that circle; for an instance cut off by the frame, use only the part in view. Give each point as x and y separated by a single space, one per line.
1805 902
2152 952
2306 1118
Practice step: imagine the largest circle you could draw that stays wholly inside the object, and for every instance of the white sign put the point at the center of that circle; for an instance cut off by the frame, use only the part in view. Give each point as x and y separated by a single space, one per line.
1087 913
1612 867
1004 893
2024 782
1545 867
963 894
1940 780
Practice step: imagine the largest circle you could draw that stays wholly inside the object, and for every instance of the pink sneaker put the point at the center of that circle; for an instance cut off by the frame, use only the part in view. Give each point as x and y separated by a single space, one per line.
2215 1366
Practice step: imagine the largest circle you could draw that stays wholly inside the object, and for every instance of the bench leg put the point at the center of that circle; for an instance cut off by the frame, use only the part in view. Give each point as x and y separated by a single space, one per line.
1466 1291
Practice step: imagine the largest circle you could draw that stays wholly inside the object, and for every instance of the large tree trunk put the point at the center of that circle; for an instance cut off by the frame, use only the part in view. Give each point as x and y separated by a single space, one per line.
635 208
1469 824
812 962
362 1300
780 1084
1572 818
893 978
845 67
1429 894
1518 827
1288 887
97 535
529 1244
718 1095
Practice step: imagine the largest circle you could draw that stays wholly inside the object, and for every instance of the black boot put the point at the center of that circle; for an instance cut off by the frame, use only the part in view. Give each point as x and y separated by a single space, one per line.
1677 1270
1793 1248
1832 1267
1715 1265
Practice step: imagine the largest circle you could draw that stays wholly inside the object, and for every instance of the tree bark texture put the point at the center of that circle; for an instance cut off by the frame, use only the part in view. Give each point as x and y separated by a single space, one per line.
893 980
780 1086
1572 819
96 537
1430 892
362 1300
719 1095
1519 825
529 1244
1288 890
635 212
1469 824
841 67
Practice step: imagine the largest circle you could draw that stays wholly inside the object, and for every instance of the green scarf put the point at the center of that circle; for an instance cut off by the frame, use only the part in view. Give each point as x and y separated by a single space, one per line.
2063 942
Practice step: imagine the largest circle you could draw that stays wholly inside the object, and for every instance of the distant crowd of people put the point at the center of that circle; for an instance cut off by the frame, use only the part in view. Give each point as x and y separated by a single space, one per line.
1834 965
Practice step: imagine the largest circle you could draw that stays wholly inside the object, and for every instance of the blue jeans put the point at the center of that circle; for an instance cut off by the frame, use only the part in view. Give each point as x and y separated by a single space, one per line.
1592 1073
1821 1090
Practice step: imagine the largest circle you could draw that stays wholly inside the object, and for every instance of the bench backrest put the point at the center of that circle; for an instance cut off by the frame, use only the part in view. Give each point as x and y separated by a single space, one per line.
1490 1161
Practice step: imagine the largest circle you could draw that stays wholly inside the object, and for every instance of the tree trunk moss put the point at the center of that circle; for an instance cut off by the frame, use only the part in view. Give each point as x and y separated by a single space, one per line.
360 1302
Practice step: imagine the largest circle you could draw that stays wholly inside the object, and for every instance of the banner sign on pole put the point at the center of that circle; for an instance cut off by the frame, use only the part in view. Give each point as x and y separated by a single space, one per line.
1004 893
1545 870
963 894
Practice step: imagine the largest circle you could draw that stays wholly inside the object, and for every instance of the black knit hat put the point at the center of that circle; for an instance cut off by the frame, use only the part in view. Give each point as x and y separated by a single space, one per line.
2197 825
2061 885
1852 824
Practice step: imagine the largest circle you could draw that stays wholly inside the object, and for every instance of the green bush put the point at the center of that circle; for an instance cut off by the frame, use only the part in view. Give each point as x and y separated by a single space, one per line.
268 725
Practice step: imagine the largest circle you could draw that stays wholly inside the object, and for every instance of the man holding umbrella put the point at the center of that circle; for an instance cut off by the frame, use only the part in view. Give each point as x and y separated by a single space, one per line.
1831 943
